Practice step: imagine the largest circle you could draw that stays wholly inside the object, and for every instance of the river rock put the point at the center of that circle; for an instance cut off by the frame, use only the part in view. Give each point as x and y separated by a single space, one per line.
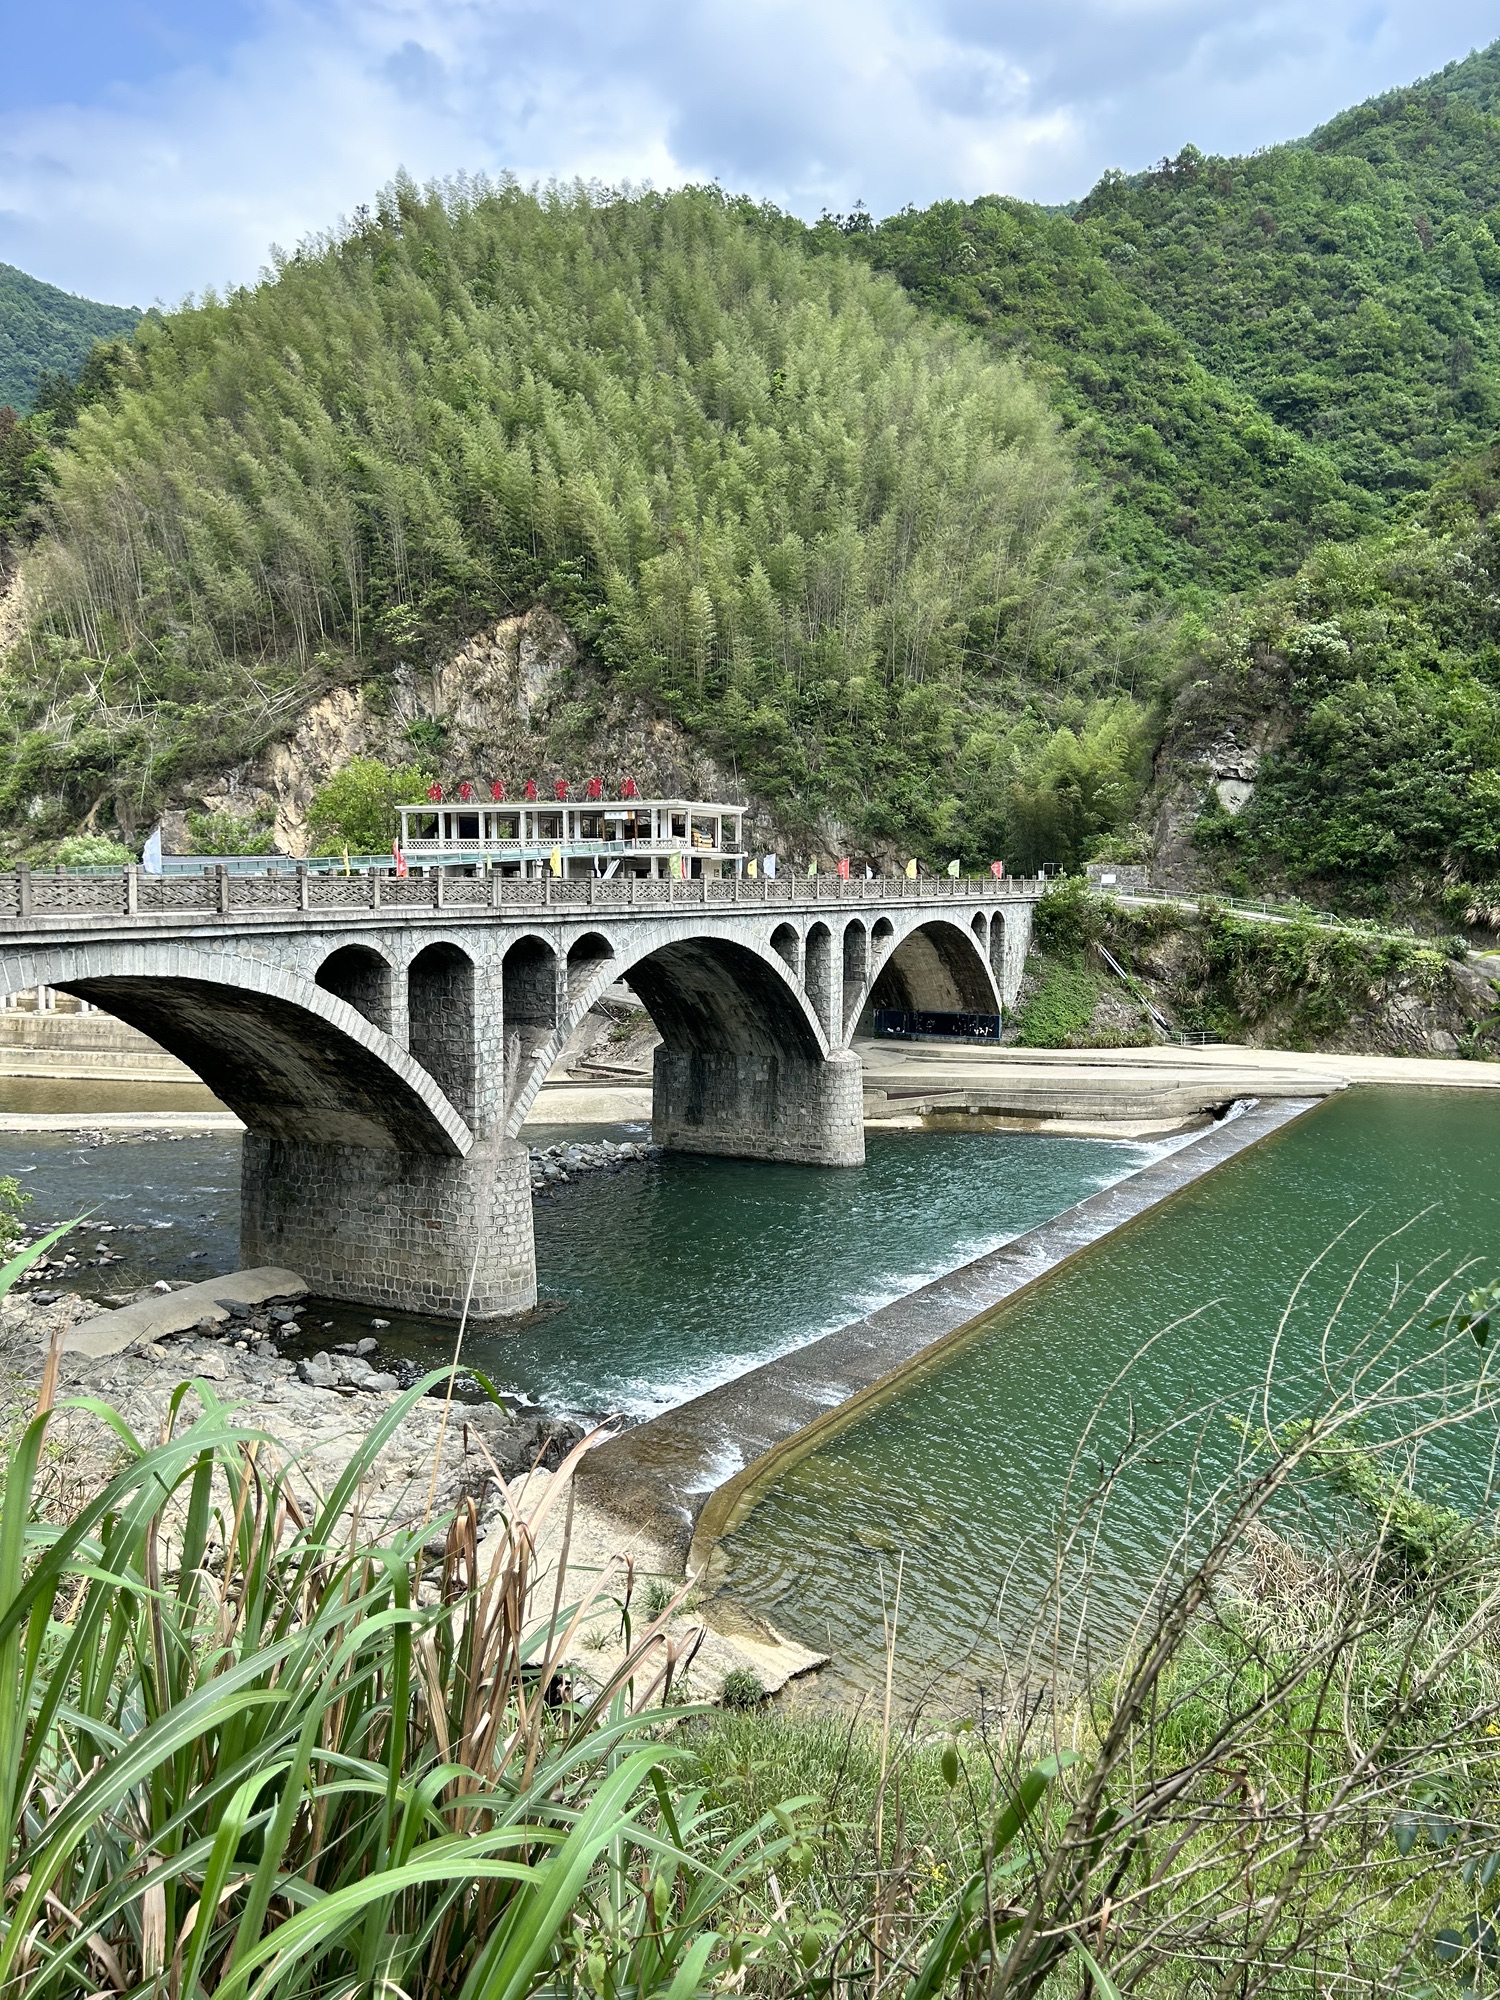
318 1372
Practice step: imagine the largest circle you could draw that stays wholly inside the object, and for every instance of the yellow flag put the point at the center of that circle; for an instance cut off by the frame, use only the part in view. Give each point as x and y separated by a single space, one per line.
750 868
911 871
554 861
812 866
674 867
952 867
346 861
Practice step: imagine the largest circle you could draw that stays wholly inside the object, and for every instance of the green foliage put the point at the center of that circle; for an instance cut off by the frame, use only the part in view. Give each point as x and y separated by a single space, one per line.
230 833
1060 1009
742 1689
45 332
1229 973
92 850
1203 489
357 807
1382 659
1068 918
263 1753
14 1200
830 538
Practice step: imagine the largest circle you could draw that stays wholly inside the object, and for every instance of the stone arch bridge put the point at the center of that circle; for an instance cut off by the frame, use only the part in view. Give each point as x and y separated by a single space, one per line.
383 1039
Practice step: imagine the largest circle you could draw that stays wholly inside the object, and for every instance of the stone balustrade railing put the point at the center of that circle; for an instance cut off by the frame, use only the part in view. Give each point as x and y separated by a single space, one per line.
25 896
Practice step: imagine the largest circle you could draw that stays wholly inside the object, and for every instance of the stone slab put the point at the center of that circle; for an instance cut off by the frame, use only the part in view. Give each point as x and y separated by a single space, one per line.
175 1312
688 1476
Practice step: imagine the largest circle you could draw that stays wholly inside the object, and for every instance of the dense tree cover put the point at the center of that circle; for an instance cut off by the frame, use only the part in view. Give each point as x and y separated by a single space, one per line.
1205 490
1257 354
834 539
45 332
1380 661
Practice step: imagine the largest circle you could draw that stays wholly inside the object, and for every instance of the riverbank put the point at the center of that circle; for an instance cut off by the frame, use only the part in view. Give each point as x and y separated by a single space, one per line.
443 1458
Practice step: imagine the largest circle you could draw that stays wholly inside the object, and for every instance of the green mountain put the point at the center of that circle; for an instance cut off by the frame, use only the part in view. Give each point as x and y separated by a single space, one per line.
1257 354
829 539
935 531
47 332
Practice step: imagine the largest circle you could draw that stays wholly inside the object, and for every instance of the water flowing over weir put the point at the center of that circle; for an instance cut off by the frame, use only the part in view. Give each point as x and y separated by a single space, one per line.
958 1475
657 1281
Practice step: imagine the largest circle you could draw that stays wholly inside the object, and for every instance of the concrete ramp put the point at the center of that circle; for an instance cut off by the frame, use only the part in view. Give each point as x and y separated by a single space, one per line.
175 1312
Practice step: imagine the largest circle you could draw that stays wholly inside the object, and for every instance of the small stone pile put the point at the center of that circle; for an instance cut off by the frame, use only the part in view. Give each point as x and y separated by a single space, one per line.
551 1166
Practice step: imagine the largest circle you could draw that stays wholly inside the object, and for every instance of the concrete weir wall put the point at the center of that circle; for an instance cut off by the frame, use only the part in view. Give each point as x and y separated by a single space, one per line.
760 1107
394 1229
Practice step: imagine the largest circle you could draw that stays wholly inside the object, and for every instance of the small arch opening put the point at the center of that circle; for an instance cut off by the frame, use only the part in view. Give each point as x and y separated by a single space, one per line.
818 974
785 943
362 978
585 956
440 1016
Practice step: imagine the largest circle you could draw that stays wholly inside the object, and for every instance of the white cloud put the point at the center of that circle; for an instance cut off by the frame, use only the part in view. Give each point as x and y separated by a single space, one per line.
183 181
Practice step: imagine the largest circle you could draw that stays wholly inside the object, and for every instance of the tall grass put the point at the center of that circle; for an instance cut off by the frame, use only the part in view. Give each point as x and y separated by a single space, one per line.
251 1748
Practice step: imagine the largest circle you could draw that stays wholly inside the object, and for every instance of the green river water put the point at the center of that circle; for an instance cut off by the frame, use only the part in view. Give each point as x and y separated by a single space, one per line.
958 1477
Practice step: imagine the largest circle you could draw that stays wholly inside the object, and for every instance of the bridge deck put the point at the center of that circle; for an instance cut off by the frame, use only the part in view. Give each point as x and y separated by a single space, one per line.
46 902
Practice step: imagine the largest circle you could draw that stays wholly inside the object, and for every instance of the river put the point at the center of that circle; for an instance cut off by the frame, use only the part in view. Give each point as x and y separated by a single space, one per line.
657 1281
960 1477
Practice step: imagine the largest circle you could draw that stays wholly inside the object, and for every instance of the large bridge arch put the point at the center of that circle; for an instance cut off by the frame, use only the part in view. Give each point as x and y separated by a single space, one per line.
291 1058
707 993
937 966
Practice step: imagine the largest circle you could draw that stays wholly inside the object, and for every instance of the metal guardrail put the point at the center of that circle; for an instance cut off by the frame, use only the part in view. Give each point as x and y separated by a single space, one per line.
129 892
909 1025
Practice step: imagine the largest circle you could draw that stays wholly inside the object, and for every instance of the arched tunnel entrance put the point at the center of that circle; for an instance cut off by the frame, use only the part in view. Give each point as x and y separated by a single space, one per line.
938 968
743 1068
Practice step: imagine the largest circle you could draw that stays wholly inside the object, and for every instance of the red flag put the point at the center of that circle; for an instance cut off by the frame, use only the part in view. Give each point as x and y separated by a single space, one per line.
997 869
497 790
400 858
560 788
435 793
844 868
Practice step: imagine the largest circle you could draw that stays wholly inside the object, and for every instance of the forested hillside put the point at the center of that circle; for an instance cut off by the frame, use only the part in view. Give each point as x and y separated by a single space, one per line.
830 538
931 532
47 332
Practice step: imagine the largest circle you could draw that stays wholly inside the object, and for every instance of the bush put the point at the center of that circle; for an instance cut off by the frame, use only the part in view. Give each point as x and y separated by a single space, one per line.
741 1689
357 808
92 850
230 833
1069 918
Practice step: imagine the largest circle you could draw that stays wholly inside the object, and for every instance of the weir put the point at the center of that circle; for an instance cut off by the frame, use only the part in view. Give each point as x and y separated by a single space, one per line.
384 1036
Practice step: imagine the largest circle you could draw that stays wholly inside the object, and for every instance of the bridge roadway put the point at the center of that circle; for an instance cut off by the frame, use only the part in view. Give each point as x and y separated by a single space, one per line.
382 1039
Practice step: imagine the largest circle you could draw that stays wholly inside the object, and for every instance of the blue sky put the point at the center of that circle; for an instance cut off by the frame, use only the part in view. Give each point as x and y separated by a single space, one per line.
150 148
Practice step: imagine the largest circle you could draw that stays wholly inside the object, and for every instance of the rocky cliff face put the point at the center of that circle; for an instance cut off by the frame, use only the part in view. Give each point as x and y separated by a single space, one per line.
515 701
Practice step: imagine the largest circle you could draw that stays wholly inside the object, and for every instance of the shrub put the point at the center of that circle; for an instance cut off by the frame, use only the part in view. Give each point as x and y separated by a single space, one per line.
741 1689
230 833
357 808
92 850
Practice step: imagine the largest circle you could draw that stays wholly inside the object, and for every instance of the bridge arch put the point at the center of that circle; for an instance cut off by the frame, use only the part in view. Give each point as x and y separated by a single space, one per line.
440 1003
289 1056
360 976
706 994
940 966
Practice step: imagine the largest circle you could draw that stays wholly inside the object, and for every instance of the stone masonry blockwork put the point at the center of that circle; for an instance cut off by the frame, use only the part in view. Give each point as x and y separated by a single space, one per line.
760 1107
393 1229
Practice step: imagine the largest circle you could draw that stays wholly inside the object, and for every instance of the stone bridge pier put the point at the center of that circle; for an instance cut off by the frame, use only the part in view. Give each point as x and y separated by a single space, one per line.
384 1040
